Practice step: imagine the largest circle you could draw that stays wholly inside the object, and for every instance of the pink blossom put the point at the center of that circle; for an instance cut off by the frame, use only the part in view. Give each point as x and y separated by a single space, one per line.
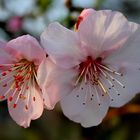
14 24
97 66
20 60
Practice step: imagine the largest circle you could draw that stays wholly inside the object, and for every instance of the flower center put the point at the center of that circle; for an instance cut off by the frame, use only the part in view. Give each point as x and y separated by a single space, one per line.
95 74
16 79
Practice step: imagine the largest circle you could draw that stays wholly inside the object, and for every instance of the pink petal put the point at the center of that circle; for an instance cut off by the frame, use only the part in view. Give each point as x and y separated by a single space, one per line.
129 53
25 47
21 114
127 59
131 82
87 12
62 45
84 14
91 113
134 26
42 72
104 30
5 87
4 56
56 84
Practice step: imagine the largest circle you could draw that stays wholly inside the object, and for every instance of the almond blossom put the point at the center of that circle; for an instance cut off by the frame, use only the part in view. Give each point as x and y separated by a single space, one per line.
20 60
96 67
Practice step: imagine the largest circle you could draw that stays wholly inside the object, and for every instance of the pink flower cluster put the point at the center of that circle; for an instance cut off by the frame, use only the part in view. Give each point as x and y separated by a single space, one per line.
88 70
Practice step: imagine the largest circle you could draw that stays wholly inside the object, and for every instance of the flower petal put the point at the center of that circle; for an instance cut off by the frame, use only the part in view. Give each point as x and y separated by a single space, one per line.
104 30
83 16
130 80
4 56
56 84
5 88
20 113
26 47
88 114
129 53
126 59
62 45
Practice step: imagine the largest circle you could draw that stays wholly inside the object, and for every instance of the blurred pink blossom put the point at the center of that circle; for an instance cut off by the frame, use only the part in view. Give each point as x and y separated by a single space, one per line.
14 24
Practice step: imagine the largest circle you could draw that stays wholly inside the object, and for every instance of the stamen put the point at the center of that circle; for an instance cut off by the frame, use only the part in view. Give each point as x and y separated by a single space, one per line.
110 97
19 95
114 79
19 77
7 92
34 98
26 107
7 83
28 97
93 72
116 90
102 87
106 77
90 91
2 97
4 65
4 74
94 77
14 93
15 105
110 70
22 97
79 77
97 95
10 98
110 83
105 74
77 95
79 88
5 78
86 95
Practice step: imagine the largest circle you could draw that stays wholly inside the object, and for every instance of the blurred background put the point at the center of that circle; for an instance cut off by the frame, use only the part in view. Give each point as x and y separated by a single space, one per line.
18 17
